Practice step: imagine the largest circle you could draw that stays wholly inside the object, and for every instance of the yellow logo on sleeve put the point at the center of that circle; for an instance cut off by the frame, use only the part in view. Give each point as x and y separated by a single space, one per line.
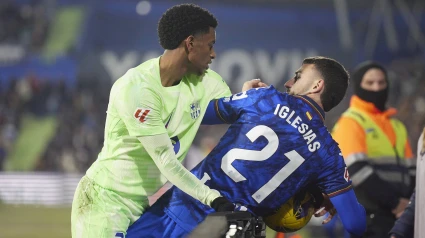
308 115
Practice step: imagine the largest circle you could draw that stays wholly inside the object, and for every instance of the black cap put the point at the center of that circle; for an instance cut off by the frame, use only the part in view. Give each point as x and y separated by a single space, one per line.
360 71
379 98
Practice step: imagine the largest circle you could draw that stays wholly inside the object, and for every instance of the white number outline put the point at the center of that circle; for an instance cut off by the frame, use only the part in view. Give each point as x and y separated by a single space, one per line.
295 161
239 96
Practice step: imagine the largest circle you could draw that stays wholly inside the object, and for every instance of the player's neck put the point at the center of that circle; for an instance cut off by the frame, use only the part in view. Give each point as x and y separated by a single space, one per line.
171 68
316 98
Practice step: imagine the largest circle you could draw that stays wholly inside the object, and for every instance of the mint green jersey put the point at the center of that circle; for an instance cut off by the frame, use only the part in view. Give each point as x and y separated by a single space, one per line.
140 106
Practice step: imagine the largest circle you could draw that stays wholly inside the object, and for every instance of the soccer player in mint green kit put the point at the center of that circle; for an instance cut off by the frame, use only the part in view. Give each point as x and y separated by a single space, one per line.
162 100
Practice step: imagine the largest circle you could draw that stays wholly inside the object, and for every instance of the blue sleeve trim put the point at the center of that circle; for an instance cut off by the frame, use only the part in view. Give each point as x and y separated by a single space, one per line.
351 212
339 191
220 115
212 115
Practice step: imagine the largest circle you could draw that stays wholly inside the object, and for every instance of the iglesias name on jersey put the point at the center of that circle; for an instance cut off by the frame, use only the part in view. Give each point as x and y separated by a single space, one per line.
277 145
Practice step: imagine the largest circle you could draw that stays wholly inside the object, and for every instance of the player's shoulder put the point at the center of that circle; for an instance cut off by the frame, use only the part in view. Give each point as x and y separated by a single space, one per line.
211 78
285 97
269 91
294 102
211 74
297 99
145 75
329 148
213 84
255 95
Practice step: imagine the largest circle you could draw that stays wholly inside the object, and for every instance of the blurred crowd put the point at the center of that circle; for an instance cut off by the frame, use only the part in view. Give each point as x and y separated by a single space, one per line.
407 94
25 25
81 113
24 96
81 110
79 136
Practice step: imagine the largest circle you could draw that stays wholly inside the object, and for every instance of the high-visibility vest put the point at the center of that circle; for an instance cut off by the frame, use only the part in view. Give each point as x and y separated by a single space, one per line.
377 142
385 159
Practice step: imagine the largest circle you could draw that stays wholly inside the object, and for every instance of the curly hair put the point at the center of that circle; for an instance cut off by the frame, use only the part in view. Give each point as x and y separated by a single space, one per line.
181 21
336 80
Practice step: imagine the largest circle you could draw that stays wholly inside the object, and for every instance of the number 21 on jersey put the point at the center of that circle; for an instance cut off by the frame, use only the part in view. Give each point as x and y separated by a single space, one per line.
295 160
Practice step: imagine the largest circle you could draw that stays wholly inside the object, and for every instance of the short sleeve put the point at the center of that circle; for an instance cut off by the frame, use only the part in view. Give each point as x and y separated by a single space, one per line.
229 109
139 107
334 178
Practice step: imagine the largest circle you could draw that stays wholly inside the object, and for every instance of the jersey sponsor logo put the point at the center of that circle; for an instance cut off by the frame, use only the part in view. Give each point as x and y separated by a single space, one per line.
195 110
141 114
346 175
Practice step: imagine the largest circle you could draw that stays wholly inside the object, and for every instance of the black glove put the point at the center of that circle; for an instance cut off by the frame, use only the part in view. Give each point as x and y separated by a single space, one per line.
221 204
317 195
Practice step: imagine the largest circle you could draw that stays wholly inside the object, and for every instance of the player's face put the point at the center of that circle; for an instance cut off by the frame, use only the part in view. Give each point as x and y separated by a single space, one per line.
201 52
374 80
302 82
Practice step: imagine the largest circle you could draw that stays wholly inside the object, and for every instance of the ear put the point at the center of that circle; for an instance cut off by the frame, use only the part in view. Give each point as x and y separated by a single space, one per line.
318 86
189 43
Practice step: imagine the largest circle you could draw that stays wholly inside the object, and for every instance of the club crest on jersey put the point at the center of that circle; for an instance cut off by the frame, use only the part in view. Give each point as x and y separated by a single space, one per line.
195 110
141 114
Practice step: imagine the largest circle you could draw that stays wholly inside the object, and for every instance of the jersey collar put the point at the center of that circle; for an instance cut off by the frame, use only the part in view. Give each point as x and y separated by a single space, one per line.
319 111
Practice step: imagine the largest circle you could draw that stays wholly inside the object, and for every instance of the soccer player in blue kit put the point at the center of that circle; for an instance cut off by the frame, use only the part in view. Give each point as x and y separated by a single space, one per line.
276 146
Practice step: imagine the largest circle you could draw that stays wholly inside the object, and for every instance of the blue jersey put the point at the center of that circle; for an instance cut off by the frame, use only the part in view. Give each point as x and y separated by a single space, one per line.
276 146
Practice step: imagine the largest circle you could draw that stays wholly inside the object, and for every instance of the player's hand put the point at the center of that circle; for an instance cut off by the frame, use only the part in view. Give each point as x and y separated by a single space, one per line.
326 207
402 204
221 204
332 213
255 83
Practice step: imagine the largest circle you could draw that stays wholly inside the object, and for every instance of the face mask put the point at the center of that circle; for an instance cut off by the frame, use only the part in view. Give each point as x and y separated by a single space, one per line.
378 98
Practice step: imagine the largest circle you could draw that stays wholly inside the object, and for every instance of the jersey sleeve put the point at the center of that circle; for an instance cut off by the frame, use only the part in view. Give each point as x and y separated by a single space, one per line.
162 153
334 178
229 109
218 87
140 109
351 212
211 117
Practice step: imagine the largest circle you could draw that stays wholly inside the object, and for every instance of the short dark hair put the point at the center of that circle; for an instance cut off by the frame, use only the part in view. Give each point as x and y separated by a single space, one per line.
181 21
336 80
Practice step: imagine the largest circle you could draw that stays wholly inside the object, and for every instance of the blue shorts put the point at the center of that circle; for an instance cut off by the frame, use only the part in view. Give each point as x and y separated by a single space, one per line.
155 223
